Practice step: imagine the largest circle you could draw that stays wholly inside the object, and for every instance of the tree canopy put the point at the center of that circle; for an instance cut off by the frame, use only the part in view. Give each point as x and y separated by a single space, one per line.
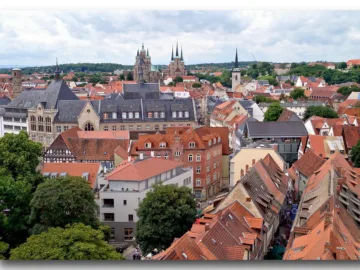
355 155
321 111
75 242
196 85
347 90
260 98
166 212
178 79
273 112
61 201
297 93
3 248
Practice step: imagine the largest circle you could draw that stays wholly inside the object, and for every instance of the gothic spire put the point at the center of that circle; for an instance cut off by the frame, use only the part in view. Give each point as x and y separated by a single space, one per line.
137 53
181 57
57 71
236 60
147 52
143 46
177 50
172 53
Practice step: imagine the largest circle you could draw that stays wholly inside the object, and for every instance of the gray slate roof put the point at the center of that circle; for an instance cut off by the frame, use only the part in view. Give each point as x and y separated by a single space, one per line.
69 110
291 129
141 90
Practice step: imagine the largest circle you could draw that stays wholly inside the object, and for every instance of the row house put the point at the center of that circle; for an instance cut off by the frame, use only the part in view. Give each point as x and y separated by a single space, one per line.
44 114
262 191
326 226
71 146
204 149
128 184
233 233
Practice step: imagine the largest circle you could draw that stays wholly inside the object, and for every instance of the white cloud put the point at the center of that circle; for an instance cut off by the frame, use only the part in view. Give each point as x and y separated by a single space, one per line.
37 37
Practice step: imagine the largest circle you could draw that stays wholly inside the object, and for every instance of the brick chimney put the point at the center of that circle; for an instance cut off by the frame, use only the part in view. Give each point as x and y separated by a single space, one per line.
253 162
242 173
247 168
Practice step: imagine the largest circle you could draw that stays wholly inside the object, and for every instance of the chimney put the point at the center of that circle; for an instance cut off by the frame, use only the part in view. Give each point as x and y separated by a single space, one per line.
141 156
247 168
129 158
152 154
242 173
248 199
207 227
253 162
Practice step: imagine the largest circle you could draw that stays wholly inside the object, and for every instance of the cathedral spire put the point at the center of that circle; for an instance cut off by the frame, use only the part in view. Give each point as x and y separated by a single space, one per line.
236 60
57 71
181 57
172 53
143 46
147 52
137 53
177 50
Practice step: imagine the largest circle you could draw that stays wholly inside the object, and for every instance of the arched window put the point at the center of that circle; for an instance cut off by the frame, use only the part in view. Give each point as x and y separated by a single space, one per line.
40 122
40 119
190 157
33 123
88 127
33 118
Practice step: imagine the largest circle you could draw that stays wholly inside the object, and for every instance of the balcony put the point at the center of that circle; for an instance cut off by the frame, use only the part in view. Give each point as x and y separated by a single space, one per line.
108 206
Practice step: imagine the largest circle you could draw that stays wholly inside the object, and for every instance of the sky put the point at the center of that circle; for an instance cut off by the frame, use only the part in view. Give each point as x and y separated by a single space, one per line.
37 37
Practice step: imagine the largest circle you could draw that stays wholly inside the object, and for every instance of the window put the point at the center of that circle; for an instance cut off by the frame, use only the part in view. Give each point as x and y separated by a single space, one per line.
162 145
164 127
214 154
105 116
131 217
66 128
192 145
147 145
131 127
162 114
174 114
128 233
208 156
123 115
218 175
214 140
33 137
109 216
108 203
138 127
180 114
89 127
48 124
33 127
208 168
48 140
198 157
131 115
198 182
112 234
125 202
147 127
198 170
190 158
58 129
122 127
41 127
41 139
187 114
207 180
156 115
210 143
166 155
40 119
214 176
114 115
214 165
106 128
113 128
177 154
156 127
150 115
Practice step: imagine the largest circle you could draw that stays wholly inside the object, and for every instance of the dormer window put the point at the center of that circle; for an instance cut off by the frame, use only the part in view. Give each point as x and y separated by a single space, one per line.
162 145
180 114
124 115
156 115
219 139
214 140
114 115
162 114
150 115
137 115
148 145
105 116
174 114
210 143
186 114
131 115
191 145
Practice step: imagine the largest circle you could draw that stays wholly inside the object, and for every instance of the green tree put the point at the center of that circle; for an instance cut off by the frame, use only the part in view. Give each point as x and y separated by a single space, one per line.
75 242
342 65
122 77
3 248
171 84
347 90
61 201
19 155
321 111
355 155
129 77
274 111
297 93
196 85
75 79
166 212
178 79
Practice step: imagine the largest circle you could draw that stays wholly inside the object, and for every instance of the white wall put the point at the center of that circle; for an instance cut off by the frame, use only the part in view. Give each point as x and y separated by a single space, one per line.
258 114
21 125
309 127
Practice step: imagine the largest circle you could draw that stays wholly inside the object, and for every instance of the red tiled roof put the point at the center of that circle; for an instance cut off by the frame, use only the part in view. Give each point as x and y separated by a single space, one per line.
74 169
351 136
308 163
140 170
119 134
353 62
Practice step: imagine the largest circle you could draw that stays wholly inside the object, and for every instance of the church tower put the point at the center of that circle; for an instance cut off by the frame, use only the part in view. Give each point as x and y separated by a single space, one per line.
16 81
236 75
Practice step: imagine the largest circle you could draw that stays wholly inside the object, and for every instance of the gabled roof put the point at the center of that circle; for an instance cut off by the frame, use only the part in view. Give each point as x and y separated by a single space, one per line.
118 134
308 163
74 169
351 135
288 115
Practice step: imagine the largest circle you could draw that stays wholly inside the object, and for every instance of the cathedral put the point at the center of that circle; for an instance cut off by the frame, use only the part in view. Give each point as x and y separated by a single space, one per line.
144 71
177 65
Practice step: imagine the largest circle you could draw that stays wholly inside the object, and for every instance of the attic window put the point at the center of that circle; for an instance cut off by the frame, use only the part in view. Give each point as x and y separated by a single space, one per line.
105 153
210 143
84 152
192 144
162 145
147 145
88 110
219 139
